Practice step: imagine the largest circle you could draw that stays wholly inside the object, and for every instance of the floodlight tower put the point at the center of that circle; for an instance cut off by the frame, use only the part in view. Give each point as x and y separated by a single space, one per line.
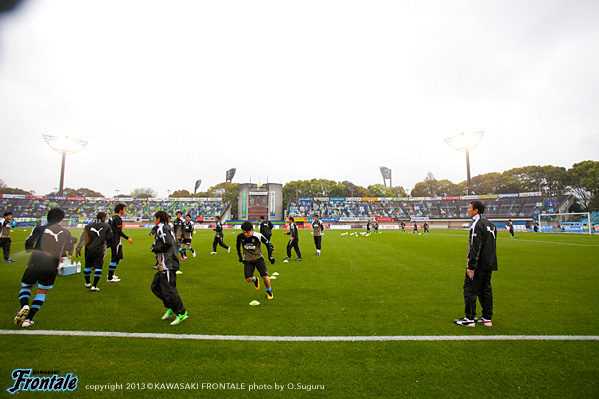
466 142
230 174
64 145
386 172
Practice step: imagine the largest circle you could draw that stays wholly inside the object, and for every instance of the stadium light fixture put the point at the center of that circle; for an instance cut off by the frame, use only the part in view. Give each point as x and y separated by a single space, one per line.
64 145
230 175
386 172
465 142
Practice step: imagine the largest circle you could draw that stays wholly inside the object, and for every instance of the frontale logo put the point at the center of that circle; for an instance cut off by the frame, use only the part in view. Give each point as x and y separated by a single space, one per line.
55 383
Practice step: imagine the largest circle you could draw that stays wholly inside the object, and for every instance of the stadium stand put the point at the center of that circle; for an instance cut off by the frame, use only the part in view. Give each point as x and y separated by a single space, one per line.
523 205
82 208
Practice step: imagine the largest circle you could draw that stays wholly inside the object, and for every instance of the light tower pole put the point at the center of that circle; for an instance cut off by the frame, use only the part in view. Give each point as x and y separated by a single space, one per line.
386 172
64 145
466 142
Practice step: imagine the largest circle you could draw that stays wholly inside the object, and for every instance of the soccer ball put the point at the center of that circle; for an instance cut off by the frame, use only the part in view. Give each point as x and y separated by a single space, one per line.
418 233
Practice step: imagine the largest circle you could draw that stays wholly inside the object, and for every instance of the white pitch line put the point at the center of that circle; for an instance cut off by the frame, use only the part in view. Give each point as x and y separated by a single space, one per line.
551 242
308 338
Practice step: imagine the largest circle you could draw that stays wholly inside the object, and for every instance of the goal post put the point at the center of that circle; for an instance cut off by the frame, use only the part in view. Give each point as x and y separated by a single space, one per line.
575 222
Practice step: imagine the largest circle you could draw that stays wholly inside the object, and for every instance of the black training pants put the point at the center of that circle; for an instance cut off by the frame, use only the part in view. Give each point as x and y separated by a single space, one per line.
164 286
5 245
318 242
295 245
479 287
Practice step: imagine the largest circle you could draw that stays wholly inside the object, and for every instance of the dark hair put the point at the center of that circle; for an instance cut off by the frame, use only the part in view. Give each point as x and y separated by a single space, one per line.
7 213
217 217
55 215
178 212
162 216
101 215
291 218
119 207
262 217
188 215
478 205
247 226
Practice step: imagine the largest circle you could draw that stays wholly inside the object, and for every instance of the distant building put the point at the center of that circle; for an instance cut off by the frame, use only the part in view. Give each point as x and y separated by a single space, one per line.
266 200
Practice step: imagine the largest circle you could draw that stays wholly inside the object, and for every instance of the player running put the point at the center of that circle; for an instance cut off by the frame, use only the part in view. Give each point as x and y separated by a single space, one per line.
266 228
218 238
510 227
46 244
252 257
425 227
187 235
164 285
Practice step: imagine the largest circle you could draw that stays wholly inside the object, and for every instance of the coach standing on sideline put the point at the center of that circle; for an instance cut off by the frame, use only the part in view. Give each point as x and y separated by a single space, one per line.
6 226
482 261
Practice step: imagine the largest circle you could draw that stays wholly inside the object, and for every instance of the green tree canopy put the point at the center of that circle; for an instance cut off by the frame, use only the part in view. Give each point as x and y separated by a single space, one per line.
145 192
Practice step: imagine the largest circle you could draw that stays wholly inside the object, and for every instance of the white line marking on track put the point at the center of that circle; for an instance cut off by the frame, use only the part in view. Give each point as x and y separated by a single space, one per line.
308 338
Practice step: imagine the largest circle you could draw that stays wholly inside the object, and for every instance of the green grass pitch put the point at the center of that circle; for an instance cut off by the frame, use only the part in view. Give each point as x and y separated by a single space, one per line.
389 284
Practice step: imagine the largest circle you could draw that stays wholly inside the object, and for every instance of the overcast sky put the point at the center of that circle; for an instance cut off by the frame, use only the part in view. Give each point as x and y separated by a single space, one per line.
170 92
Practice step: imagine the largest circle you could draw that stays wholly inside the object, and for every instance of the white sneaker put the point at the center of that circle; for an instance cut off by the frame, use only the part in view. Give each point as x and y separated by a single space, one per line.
95 289
178 272
168 314
179 319
464 322
87 285
22 315
228 249
114 279
194 254
26 323
484 322
212 253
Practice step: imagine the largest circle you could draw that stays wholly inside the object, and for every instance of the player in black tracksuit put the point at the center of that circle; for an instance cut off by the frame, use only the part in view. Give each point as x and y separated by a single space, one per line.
482 261
46 244
425 226
179 231
164 285
318 229
188 229
293 241
96 236
116 249
218 238
5 228
252 257
510 227
266 228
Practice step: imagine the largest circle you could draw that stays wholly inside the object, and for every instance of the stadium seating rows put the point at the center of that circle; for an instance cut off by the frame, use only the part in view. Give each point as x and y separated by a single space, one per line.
433 208
138 208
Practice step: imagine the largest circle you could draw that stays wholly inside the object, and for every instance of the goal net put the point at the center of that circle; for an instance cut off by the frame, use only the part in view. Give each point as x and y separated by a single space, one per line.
565 222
